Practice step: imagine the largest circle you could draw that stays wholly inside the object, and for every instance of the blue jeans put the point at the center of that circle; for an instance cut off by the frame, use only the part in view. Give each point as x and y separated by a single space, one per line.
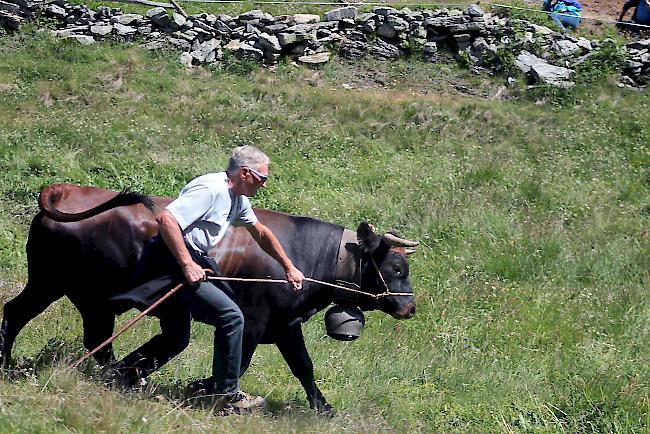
565 19
208 304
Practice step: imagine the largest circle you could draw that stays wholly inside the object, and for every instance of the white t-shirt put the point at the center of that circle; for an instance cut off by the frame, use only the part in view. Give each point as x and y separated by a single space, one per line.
206 207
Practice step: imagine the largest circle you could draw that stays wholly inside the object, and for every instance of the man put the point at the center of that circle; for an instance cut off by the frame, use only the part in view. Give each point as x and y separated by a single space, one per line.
191 226
641 14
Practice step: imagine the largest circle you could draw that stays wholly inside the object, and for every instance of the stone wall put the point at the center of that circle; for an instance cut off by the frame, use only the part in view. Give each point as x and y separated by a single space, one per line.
486 41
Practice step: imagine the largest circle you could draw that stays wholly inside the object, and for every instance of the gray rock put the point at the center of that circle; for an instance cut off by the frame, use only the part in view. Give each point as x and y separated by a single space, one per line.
177 21
126 19
214 56
248 52
463 41
566 48
244 51
188 35
384 10
399 24
430 48
226 19
631 64
482 52
222 27
386 30
315 60
474 11
445 21
101 29
204 50
185 59
82 39
471 26
305 18
255 14
122 30
384 50
11 8
275 28
155 12
153 45
369 26
341 13
638 45
269 43
10 21
288 38
181 44
298 49
542 72
352 49
55 11
198 24
585 44
159 17
360 18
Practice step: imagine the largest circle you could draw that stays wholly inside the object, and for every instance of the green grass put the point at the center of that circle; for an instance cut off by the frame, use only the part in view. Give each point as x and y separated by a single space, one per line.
533 212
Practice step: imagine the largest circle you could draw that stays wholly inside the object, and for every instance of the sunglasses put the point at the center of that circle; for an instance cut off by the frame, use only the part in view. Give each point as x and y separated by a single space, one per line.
257 175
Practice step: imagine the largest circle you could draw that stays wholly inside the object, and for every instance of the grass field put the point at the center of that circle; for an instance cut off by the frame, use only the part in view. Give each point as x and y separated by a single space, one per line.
533 214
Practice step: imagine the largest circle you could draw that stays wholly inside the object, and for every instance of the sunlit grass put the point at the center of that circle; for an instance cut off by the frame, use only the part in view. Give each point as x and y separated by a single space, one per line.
531 280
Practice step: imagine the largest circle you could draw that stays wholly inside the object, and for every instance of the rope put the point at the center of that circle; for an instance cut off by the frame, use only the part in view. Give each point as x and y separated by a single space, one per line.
137 318
309 279
128 325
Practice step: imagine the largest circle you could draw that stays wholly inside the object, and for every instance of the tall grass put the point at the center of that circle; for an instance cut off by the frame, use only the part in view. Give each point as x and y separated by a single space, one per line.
531 280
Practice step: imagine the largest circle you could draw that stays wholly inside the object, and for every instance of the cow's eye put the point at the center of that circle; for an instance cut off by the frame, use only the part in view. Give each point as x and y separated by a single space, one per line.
397 270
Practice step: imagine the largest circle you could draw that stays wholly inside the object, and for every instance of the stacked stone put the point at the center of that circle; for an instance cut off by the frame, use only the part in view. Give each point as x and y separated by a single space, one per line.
13 13
637 67
544 55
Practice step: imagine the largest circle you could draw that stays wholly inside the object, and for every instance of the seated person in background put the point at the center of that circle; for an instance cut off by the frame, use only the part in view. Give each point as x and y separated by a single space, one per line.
565 13
641 14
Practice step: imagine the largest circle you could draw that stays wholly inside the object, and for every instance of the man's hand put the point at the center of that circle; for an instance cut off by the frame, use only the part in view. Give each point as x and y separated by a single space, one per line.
295 278
193 273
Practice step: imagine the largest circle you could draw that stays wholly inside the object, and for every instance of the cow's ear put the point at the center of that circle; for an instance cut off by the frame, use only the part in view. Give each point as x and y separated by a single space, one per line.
367 237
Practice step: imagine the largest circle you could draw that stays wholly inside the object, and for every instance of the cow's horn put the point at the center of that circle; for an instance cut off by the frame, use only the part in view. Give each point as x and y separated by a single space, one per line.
396 241
409 251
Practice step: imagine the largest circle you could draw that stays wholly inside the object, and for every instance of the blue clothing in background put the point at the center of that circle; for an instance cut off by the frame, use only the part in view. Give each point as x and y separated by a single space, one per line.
564 13
642 11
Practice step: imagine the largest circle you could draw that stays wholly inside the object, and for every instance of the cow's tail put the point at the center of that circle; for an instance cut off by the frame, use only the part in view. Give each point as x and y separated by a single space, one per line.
52 194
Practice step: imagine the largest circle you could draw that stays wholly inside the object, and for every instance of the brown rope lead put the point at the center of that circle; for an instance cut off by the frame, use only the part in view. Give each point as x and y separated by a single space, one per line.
309 279
138 317
128 325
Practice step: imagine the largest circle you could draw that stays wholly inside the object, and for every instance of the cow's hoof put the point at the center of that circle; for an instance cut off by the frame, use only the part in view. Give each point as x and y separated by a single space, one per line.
325 410
114 378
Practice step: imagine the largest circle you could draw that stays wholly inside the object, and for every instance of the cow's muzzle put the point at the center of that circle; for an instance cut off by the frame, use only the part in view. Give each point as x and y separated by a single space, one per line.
405 313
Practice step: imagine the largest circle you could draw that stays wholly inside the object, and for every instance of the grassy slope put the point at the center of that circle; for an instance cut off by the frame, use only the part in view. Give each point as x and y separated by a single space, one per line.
531 281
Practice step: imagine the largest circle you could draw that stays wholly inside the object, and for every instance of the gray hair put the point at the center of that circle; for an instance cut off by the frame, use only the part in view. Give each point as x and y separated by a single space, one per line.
246 156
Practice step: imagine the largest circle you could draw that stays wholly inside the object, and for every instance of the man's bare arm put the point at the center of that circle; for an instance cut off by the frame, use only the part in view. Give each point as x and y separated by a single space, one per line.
270 244
173 237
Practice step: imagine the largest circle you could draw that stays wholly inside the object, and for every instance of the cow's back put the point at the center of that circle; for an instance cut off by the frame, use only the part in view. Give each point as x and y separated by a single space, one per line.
97 256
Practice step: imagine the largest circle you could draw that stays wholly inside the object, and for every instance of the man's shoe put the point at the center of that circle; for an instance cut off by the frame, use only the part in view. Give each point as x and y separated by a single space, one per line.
240 403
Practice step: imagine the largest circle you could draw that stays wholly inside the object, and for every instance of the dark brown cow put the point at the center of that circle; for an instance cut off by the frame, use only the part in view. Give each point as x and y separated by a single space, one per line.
93 255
